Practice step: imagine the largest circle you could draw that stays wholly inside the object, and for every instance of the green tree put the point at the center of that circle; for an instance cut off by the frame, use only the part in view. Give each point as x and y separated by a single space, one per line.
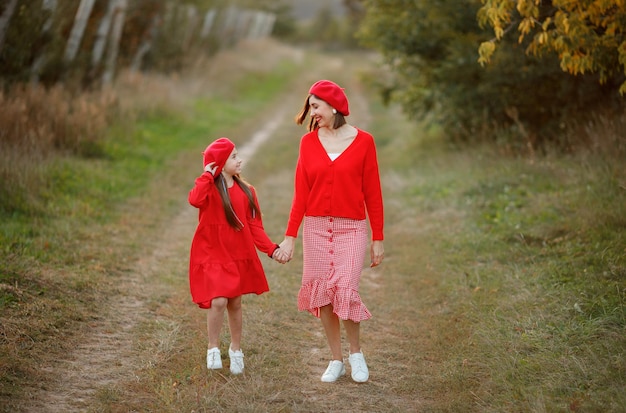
430 47
586 35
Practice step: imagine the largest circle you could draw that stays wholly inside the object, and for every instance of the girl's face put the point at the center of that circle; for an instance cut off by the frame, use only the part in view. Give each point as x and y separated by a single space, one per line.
322 112
233 164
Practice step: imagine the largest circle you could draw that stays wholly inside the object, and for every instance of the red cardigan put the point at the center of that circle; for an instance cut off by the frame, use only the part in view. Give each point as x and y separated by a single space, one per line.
343 188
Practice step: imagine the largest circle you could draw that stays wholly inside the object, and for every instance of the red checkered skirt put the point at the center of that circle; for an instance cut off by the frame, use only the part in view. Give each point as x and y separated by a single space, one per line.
334 252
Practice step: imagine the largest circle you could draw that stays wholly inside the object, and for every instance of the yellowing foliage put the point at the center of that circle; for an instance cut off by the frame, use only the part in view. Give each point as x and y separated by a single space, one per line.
587 36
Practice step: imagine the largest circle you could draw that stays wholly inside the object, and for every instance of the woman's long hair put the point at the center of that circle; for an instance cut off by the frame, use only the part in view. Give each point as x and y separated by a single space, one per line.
340 120
222 189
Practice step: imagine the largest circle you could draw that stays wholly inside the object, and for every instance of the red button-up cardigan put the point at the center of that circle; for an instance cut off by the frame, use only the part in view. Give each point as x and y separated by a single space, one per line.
345 187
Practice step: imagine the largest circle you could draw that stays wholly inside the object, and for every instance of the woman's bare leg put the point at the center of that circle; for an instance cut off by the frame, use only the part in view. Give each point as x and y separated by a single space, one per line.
353 334
330 321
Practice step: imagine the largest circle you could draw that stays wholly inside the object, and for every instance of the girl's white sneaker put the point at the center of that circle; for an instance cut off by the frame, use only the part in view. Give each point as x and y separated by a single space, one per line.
334 370
213 359
236 361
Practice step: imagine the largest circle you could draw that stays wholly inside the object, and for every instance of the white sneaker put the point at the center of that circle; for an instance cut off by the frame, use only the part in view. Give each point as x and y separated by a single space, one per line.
213 359
360 373
334 370
236 361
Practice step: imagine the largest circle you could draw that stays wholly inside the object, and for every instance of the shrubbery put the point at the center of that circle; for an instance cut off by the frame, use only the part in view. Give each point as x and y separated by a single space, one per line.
432 49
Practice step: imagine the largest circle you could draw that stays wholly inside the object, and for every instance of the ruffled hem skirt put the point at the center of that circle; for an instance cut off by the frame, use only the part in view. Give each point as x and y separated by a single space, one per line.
334 252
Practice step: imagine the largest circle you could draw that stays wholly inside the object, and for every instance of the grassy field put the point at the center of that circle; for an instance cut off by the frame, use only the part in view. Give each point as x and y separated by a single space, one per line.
503 287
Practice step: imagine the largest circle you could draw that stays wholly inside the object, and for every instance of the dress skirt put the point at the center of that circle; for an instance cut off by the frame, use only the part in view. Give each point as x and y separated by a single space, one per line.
333 252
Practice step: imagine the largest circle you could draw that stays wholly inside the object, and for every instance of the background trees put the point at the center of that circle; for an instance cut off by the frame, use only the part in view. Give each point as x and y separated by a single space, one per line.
86 40
524 99
587 36
545 64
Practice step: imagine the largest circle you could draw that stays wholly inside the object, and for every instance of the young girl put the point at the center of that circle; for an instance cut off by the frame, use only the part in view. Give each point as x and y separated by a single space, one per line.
224 263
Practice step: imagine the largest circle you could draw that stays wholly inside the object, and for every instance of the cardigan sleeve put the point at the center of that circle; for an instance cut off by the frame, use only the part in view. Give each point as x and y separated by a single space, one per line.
261 240
373 193
199 194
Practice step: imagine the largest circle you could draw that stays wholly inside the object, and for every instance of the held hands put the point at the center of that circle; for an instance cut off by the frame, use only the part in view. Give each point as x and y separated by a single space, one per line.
287 247
280 256
284 252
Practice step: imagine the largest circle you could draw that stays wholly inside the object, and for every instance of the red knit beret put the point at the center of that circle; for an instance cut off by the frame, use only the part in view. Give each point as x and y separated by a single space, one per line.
332 94
218 152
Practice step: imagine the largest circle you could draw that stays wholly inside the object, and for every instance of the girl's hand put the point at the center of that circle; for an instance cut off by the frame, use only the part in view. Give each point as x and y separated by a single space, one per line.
210 168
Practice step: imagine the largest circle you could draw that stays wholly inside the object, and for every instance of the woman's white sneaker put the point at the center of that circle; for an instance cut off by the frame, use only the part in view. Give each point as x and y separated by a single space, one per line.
236 361
360 373
213 359
334 370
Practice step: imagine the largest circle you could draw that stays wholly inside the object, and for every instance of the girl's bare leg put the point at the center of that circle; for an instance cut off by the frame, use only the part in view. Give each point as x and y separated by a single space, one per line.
330 321
235 322
215 319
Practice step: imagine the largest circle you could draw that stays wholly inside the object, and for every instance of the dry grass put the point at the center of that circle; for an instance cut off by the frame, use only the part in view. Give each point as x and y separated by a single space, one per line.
218 75
38 125
39 121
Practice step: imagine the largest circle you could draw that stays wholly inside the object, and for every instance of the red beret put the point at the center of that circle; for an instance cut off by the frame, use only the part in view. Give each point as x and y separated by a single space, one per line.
218 152
332 94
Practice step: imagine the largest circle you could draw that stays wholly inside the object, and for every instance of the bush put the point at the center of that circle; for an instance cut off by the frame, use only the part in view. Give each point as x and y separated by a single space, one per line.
36 123
433 54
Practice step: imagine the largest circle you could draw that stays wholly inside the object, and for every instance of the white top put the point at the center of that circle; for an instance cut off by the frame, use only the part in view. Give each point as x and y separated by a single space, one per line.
334 155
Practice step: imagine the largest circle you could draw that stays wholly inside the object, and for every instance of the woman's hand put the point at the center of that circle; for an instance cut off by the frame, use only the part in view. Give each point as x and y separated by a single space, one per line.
287 247
377 253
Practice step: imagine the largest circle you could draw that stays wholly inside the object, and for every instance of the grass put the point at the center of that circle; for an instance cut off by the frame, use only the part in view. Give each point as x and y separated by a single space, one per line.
536 267
503 287
530 256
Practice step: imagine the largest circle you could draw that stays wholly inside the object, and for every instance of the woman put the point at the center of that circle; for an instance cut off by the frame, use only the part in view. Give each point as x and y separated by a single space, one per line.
336 183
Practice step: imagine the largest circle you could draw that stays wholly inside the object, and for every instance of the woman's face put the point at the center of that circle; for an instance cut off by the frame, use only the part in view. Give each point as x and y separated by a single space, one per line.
233 164
322 112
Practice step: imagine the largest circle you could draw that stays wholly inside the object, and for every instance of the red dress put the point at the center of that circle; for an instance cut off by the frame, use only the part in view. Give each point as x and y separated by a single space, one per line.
224 261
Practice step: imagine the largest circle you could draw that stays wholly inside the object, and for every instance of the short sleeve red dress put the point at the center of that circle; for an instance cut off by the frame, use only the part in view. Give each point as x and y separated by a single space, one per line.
224 261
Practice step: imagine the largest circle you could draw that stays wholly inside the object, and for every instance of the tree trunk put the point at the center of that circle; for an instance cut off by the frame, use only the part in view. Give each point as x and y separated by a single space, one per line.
146 44
5 19
102 34
114 44
269 25
262 25
191 21
49 6
80 22
209 18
